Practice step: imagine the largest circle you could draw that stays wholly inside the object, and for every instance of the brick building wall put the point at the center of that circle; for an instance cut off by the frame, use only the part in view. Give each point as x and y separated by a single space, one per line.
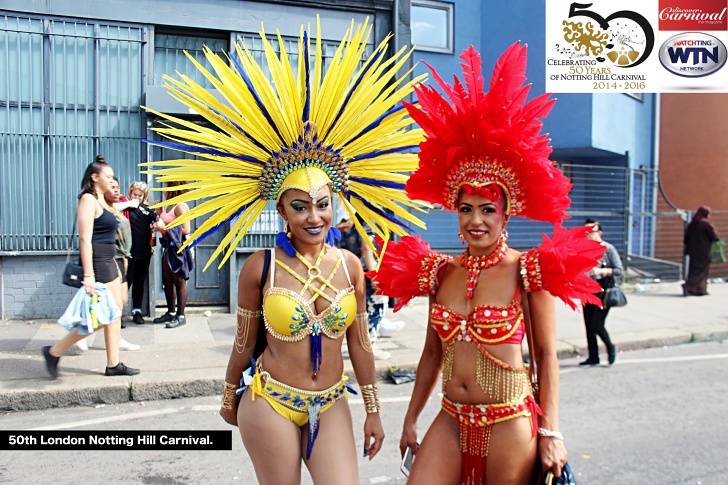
694 149
693 162
34 287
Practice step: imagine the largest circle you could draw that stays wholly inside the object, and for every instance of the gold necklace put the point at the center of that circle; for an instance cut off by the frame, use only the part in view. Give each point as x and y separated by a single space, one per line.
313 269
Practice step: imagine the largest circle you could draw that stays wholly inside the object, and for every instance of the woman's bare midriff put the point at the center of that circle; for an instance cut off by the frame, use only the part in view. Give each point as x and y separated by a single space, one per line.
462 387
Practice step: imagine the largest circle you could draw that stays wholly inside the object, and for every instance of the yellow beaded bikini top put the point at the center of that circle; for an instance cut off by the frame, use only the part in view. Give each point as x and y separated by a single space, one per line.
289 316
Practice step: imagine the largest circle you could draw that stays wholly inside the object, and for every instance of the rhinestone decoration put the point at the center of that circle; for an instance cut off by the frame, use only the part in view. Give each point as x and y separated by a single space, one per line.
307 151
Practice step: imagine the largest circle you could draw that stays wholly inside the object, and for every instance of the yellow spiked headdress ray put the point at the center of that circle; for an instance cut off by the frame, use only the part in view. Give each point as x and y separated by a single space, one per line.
348 124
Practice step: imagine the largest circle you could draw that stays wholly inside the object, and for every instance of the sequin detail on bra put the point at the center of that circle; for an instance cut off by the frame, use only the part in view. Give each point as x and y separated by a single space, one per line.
332 322
484 324
289 316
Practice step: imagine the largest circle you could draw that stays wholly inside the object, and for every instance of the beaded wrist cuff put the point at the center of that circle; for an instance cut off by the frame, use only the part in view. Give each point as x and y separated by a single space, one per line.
550 434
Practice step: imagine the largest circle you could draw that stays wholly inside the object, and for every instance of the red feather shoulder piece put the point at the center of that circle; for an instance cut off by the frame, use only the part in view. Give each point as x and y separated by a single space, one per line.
559 266
409 268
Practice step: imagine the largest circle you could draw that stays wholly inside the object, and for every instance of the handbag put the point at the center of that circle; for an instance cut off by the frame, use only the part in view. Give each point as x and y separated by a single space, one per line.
717 251
73 272
614 297
566 478
538 477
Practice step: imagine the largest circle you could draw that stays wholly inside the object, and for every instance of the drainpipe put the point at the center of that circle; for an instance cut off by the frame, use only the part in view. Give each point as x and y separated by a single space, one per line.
627 211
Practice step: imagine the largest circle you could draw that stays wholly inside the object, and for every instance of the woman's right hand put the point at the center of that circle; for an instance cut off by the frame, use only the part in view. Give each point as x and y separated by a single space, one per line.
89 284
409 438
230 415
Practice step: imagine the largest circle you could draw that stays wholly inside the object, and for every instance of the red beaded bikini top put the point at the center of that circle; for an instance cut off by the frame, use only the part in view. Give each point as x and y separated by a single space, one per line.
484 324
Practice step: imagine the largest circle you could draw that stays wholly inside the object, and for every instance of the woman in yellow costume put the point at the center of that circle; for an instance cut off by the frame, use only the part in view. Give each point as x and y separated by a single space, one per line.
301 140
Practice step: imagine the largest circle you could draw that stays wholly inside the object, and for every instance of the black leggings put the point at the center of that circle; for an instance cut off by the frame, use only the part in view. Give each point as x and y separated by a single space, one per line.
136 276
174 284
594 319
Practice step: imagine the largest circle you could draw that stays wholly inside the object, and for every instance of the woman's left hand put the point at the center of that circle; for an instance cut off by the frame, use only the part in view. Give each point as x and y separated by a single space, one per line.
373 435
553 454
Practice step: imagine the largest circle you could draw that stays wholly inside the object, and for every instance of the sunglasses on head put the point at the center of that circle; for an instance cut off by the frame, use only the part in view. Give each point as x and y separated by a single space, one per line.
141 185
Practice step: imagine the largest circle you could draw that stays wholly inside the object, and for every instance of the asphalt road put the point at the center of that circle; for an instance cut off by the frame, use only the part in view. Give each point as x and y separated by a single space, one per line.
657 417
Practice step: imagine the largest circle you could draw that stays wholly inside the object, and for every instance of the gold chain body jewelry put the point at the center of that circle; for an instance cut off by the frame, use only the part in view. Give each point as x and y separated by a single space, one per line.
362 323
370 395
499 380
229 398
241 334
447 365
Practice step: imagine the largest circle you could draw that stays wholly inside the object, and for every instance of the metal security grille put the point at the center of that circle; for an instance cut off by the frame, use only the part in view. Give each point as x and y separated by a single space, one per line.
634 215
170 58
72 90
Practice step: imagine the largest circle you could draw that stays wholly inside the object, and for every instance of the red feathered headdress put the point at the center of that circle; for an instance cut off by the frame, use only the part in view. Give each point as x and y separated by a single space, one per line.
480 139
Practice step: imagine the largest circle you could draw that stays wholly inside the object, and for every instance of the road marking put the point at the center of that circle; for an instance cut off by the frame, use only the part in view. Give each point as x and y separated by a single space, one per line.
384 399
89 422
657 360
214 407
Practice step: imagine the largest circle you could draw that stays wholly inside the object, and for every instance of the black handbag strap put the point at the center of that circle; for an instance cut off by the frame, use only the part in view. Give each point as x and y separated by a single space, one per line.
70 239
532 370
261 340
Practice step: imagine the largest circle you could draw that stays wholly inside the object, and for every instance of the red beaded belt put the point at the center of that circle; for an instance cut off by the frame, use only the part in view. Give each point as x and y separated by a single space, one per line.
476 422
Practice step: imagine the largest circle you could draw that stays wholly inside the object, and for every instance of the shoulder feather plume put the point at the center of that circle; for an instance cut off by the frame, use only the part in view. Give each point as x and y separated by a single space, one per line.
559 266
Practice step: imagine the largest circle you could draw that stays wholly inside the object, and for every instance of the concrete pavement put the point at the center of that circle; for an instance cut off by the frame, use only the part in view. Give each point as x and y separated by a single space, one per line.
191 360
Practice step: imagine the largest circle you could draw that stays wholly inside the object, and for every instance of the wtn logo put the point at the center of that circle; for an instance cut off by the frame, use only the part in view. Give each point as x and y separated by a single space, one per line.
680 55
692 54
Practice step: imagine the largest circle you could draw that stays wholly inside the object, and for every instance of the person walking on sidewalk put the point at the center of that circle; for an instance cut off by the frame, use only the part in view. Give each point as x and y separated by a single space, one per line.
699 236
176 266
97 234
484 158
606 273
301 142
114 200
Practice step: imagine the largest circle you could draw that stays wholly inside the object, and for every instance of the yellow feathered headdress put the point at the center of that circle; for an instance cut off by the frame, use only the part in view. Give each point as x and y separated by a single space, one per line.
346 127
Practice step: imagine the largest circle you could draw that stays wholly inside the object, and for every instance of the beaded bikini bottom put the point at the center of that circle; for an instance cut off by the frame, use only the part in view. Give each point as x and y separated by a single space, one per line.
476 423
507 385
298 405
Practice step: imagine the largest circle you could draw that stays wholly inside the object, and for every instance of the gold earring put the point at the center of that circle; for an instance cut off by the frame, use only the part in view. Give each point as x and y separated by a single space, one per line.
462 238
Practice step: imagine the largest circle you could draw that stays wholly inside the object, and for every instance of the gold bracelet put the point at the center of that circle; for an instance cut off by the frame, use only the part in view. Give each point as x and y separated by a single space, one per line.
370 395
229 398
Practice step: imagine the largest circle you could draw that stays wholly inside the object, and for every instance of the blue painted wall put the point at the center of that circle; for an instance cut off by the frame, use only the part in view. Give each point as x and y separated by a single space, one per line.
622 123
467 32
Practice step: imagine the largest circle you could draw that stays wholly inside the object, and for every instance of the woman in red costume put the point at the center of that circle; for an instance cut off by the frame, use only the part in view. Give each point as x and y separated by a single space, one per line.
485 158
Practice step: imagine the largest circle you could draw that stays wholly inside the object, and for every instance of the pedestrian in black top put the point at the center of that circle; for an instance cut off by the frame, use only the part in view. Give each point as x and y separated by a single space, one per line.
97 234
141 218
608 271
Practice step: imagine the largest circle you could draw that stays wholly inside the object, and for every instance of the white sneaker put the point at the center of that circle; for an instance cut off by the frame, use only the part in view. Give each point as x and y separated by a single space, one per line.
124 345
390 326
380 354
82 345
